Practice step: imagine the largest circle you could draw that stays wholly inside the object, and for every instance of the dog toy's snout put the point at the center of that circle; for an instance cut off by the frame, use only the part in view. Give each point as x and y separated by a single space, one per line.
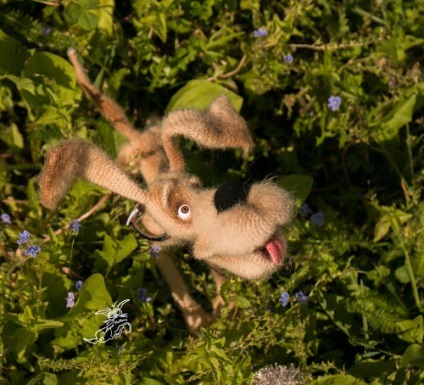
231 193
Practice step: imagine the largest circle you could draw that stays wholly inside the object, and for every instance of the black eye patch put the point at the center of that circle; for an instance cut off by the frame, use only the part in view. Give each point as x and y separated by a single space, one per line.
231 193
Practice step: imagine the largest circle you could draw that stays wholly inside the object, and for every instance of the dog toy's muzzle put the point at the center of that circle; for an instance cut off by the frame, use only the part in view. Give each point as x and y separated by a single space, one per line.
231 193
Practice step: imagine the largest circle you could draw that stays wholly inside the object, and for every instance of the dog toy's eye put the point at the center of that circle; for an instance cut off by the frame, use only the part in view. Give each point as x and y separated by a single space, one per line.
184 212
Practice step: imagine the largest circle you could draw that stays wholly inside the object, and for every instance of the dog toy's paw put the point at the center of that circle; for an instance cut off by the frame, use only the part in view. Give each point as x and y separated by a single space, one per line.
196 317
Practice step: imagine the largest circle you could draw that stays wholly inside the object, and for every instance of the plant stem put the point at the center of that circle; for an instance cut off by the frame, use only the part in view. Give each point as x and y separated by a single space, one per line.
410 271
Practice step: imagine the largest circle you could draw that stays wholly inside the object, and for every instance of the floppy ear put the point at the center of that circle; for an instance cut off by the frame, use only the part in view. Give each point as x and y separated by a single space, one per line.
219 126
75 159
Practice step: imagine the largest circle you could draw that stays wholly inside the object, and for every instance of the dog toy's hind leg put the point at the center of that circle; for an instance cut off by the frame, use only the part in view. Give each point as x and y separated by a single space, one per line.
143 152
107 106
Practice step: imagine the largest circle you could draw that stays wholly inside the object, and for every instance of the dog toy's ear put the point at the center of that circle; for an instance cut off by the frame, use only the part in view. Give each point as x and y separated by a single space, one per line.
219 126
80 159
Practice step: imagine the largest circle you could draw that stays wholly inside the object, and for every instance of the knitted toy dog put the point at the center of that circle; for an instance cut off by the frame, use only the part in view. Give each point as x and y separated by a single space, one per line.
236 226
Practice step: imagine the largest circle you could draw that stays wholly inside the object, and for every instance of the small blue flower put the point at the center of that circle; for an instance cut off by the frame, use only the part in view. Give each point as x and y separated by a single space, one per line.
45 30
284 299
141 295
120 349
23 237
5 218
154 251
318 219
302 298
78 285
288 58
260 32
305 211
75 226
33 251
334 102
70 299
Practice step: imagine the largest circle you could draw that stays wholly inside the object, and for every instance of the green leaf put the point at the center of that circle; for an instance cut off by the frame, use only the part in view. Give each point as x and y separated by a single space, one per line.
338 379
243 303
44 378
402 115
53 115
72 12
24 341
151 381
200 94
91 14
58 70
33 200
411 330
93 296
26 318
379 274
382 228
44 324
31 323
414 355
104 13
87 20
22 84
298 185
13 137
13 55
115 251
402 275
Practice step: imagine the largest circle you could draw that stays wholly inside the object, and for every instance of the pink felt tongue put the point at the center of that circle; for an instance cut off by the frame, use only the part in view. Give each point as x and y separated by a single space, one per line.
275 250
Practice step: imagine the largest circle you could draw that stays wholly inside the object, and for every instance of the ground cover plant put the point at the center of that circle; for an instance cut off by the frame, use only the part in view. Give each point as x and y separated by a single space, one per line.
333 95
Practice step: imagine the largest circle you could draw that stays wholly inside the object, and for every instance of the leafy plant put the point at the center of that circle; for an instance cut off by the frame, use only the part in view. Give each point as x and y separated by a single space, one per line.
333 93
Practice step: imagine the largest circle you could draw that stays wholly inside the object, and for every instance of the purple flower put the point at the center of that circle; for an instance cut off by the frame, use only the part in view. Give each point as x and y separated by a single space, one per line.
260 32
318 219
33 251
154 251
304 211
78 285
5 218
75 226
288 58
284 299
141 295
334 102
302 298
23 237
70 299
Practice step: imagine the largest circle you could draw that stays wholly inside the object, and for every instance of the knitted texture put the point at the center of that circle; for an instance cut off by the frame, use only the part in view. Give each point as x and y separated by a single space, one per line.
236 227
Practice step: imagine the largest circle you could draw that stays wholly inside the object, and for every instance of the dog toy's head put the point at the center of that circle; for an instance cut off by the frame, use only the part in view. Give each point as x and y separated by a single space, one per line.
237 226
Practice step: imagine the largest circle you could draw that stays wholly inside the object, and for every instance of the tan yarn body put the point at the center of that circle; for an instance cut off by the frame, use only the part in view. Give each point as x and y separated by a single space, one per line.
245 239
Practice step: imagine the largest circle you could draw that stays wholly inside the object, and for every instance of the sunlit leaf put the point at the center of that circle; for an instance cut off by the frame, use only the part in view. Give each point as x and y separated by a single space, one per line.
414 355
401 115
411 330
298 185
116 251
199 94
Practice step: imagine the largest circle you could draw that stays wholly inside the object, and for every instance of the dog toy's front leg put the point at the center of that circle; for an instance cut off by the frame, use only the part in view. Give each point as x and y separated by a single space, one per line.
219 279
194 315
